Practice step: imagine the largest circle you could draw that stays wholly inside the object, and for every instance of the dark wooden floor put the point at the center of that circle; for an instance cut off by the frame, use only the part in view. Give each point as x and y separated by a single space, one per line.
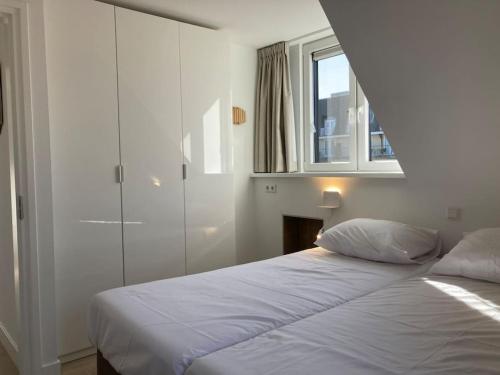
84 366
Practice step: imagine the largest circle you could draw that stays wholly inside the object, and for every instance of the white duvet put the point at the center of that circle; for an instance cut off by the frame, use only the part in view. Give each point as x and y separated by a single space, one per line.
434 325
162 327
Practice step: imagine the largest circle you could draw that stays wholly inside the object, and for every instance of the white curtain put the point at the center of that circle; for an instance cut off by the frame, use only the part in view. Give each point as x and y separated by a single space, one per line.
275 149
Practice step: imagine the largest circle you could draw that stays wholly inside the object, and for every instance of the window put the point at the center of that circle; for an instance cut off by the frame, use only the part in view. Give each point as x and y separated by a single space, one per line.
341 131
379 146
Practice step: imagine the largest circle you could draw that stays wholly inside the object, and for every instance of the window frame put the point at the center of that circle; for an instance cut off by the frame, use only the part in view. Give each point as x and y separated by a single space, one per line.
331 47
358 116
364 162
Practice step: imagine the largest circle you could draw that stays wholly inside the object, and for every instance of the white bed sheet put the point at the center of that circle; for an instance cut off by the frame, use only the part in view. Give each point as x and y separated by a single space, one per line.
429 325
161 327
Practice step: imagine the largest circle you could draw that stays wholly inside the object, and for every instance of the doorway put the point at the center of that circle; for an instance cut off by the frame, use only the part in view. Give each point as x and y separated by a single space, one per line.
9 251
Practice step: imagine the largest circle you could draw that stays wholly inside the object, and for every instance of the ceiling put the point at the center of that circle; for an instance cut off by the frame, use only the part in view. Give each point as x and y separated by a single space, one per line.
252 22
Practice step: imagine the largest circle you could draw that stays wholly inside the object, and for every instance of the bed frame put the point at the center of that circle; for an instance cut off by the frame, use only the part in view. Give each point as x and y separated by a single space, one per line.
104 367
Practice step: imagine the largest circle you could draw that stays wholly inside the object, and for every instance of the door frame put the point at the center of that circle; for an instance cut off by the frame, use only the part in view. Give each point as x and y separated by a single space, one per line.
31 148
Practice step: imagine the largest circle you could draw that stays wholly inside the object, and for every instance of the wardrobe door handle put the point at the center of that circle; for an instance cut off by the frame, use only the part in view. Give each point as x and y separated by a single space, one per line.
119 174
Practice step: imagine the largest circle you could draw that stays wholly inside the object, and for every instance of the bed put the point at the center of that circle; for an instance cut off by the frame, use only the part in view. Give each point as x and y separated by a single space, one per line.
426 325
163 327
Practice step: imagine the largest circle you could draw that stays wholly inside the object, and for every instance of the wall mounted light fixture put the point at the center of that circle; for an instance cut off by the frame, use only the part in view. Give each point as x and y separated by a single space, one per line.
239 116
331 199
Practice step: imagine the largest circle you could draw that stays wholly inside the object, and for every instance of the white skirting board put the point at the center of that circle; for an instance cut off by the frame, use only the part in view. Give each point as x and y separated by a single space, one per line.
10 346
8 343
77 355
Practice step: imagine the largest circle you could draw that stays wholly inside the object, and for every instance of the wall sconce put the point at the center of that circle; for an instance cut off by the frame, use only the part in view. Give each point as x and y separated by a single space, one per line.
331 199
239 116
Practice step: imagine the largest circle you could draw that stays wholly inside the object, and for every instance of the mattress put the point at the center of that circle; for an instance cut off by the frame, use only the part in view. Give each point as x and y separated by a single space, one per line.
162 327
428 325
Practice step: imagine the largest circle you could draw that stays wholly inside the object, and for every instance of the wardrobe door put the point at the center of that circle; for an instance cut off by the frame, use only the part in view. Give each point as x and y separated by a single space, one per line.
151 146
81 64
208 149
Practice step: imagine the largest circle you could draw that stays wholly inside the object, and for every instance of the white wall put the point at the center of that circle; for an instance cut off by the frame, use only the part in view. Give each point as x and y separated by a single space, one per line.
435 87
8 311
436 91
243 81
391 199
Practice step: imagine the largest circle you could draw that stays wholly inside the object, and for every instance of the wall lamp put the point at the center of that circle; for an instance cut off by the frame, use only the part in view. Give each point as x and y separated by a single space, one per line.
331 199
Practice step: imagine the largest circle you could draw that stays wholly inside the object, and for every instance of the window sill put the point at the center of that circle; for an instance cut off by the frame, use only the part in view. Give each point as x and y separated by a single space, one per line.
395 175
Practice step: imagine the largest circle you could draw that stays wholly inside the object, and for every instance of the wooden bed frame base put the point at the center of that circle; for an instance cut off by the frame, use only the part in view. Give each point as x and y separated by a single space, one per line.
104 367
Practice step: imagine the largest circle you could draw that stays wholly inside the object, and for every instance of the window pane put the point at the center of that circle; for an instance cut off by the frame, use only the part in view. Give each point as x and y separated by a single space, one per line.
380 148
332 137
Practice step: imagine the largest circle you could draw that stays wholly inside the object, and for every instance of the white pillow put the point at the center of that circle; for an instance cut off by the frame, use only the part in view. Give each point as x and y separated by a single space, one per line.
477 256
381 240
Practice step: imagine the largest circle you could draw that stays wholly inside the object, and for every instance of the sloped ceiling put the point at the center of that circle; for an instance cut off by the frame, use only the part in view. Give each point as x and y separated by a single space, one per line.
431 70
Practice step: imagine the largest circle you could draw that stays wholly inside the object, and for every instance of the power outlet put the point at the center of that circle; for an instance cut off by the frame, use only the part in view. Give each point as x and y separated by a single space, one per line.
271 188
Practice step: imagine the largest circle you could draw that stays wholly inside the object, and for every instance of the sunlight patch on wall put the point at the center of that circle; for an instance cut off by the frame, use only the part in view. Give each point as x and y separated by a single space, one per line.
212 139
186 146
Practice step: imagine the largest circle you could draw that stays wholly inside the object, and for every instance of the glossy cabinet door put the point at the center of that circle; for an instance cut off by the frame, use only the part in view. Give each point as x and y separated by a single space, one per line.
207 143
151 146
81 63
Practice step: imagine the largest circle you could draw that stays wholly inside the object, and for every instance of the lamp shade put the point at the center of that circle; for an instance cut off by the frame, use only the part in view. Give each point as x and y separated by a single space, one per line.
331 199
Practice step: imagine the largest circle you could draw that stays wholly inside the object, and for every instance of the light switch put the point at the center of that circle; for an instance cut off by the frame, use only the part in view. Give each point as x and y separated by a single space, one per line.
454 213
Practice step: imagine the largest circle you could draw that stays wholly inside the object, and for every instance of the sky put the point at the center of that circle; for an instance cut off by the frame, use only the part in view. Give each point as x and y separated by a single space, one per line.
333 75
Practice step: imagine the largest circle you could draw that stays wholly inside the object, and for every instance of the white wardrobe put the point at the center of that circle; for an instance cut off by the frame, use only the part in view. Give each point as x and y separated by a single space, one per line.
141 151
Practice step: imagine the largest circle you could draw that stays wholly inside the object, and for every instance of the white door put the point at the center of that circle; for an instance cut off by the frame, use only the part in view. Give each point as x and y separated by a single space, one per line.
81 63
151 146
208 149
